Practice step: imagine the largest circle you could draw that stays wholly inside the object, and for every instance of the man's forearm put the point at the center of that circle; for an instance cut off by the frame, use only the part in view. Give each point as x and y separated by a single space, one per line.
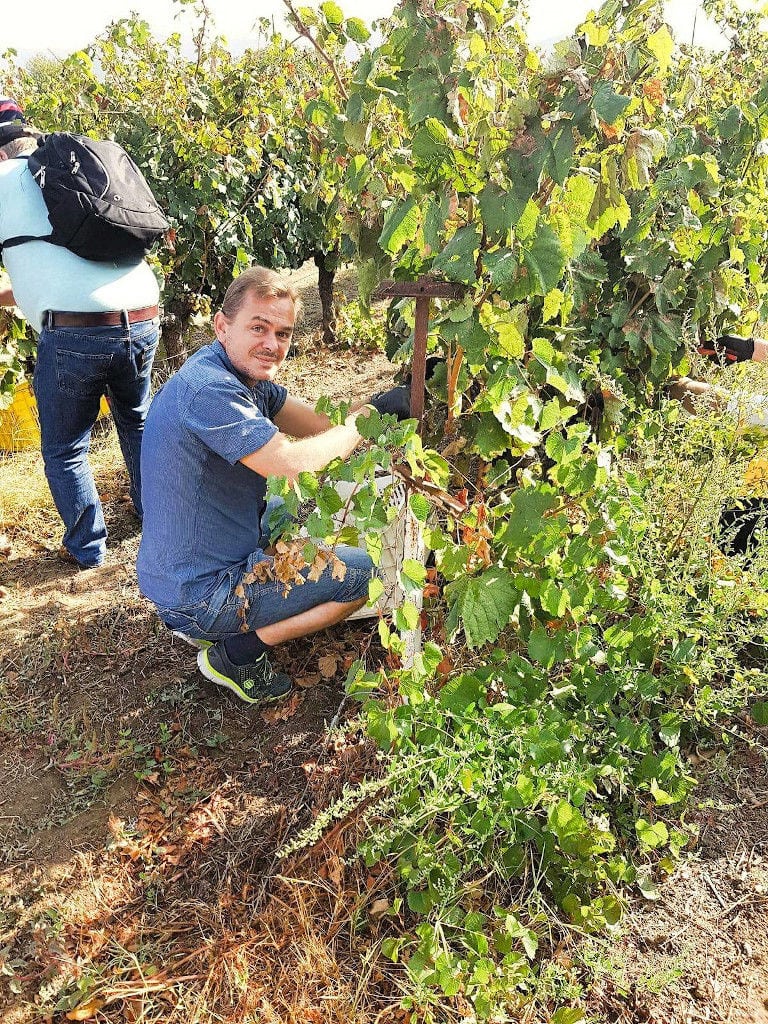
6 296
298 419
283 457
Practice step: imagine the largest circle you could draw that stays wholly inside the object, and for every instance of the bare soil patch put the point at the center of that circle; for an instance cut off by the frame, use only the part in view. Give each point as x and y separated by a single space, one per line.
700 951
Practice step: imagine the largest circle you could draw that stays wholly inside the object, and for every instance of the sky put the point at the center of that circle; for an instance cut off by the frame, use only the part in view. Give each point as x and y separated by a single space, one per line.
53 27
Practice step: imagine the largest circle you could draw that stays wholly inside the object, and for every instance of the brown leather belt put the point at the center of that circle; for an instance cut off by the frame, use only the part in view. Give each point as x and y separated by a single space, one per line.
55 318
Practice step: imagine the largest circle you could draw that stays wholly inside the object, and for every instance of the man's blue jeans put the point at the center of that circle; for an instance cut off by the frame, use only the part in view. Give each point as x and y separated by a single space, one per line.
75 367
232 604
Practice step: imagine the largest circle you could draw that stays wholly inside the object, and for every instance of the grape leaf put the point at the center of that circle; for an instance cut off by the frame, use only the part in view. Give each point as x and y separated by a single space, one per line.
609 105
458 258
482 604
544 261
401 226
459 693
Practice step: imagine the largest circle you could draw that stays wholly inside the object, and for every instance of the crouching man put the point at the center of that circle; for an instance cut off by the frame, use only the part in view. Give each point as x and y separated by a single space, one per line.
214 433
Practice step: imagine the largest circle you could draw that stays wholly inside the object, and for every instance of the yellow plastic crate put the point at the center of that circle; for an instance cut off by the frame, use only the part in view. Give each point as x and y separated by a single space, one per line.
19 423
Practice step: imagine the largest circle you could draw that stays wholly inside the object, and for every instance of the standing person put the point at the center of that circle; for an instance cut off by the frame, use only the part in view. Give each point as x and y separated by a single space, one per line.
214 433
98 326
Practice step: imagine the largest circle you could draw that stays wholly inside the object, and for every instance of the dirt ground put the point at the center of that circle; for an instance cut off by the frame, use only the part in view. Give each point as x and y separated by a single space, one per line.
134 796
699 952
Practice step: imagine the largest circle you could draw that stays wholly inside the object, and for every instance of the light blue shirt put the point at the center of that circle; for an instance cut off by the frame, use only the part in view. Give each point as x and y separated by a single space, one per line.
45 276
202 506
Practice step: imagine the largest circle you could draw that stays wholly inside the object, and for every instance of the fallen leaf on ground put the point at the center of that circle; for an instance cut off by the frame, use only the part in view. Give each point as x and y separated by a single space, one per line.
311 1016
333 870
378 909
283 712
305 682
328 665
86 1011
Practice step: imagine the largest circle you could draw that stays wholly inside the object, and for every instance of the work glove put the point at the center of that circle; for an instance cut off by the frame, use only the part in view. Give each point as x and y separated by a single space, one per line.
396 402
729 348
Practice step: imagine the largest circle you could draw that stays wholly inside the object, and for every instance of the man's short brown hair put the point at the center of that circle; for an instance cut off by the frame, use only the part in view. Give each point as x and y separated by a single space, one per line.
264 284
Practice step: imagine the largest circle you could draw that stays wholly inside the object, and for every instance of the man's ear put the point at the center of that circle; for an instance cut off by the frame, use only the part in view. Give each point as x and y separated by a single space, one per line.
220 326
3 154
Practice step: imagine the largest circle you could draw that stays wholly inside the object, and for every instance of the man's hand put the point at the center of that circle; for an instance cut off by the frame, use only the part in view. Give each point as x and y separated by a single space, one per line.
729 348
396 402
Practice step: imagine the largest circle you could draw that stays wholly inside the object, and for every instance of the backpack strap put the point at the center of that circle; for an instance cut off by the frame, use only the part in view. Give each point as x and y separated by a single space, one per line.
21 239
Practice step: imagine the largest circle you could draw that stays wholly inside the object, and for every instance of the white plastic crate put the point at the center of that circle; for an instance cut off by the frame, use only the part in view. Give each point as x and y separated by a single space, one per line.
393 542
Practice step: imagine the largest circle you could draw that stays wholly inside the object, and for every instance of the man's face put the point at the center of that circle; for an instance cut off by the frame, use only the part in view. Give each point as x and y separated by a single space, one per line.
257 338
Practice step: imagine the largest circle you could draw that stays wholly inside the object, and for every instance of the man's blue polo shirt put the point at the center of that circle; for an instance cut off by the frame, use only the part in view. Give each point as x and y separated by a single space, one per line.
202 506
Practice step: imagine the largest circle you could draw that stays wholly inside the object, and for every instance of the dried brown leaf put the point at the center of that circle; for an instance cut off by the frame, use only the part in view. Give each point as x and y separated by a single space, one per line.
86 1011
283 712
378 909
336 871
308 681
328 665
339 570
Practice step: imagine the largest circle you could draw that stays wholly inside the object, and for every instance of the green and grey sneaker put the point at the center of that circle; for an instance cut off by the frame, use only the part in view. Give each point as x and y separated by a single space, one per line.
201 645
256 683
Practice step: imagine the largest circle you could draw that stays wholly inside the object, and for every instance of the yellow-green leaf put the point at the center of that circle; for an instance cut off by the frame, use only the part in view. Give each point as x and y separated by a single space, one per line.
661 44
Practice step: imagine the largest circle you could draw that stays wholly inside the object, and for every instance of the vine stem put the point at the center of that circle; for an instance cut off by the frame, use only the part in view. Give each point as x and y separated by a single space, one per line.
302 29
638 304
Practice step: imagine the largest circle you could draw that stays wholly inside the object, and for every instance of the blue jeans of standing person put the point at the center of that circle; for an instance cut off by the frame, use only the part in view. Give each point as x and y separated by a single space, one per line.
75 367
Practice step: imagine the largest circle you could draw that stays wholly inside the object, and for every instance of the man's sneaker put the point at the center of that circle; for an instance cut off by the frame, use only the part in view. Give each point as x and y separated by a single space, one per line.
201 645
256 683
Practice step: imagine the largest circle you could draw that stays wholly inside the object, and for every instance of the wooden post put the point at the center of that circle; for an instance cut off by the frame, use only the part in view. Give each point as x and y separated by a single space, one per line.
424 289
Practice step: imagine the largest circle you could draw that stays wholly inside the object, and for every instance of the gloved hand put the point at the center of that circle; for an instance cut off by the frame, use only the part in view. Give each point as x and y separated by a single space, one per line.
396 402
729 348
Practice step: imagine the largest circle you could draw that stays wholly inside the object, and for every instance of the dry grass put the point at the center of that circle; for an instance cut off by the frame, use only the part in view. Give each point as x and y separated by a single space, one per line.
25 501
179 921
293 957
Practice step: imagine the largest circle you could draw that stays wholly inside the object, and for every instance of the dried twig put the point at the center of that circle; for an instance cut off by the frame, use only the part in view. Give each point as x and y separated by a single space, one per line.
719 898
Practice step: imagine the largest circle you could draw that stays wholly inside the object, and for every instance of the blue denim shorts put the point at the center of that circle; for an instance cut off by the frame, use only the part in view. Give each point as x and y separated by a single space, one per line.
224 613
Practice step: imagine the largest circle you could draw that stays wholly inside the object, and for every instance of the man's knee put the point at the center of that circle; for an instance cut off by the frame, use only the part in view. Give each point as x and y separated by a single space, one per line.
359 571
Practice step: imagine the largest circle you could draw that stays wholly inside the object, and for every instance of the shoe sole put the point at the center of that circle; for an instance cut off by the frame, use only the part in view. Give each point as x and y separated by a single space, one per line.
210 673
201 645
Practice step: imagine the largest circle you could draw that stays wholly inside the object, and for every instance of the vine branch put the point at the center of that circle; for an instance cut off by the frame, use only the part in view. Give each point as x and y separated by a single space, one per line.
303 31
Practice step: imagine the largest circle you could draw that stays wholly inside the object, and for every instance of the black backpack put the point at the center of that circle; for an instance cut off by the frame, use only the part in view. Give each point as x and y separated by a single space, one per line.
99 205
